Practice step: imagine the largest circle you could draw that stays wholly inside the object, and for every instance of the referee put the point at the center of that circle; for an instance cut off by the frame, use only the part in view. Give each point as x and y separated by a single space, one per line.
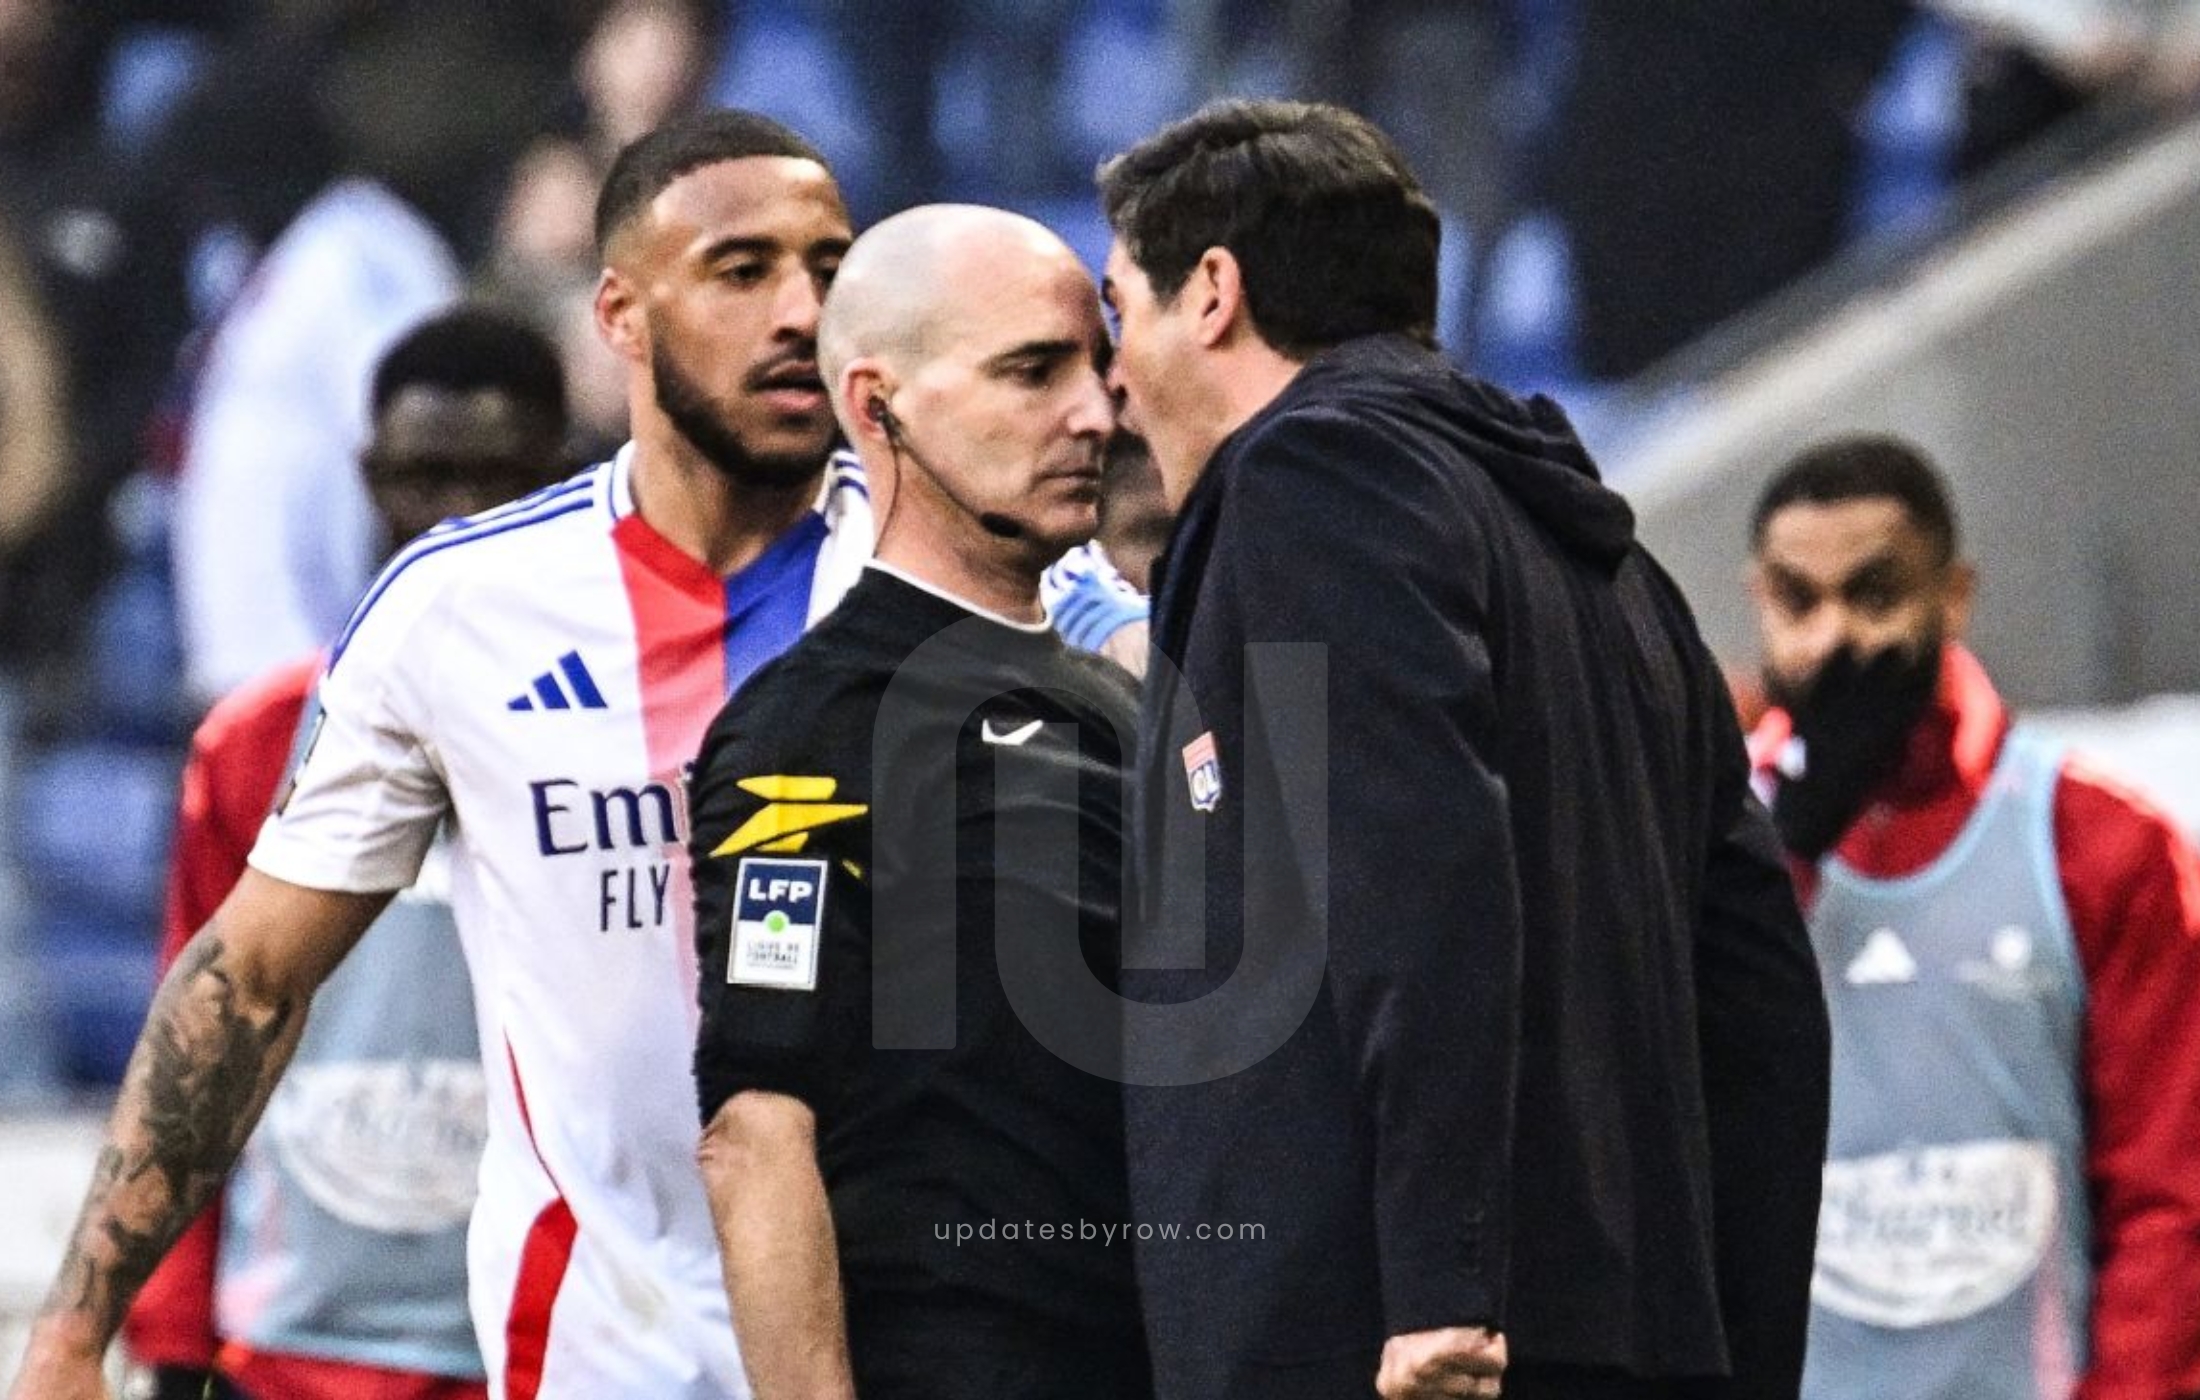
908 846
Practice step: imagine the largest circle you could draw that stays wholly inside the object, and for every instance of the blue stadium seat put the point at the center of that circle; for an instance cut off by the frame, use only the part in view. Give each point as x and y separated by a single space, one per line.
1077 218
133 661
30 1066
90 827
1911 129
779 63
152 68
1525 315
133 657
1122 77
99 978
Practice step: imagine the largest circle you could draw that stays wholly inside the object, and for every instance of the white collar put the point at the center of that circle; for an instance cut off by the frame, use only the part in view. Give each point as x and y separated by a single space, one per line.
1035 628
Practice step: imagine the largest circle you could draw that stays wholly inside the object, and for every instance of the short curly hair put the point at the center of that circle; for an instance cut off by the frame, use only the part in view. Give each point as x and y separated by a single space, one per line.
1858 467
650 163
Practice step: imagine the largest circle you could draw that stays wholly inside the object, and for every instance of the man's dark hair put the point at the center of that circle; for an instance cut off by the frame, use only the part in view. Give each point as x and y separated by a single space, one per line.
1858 468
649 163
470 349
1125 456
1126 464
1334 234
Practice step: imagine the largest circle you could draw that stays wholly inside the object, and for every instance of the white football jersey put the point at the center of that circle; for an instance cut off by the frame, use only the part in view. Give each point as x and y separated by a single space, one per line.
1087 600
542 674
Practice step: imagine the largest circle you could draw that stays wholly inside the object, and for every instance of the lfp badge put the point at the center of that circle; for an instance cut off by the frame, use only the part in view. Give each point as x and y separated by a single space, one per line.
1203 772
778 913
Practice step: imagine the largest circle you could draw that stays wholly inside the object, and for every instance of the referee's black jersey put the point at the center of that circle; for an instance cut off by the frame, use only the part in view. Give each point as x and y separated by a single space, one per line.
908 839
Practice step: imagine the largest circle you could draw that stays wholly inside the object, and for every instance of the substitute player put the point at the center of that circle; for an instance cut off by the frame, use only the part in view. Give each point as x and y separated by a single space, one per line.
537 677
334 1265
2010 945
928 788
1096 593
1095 608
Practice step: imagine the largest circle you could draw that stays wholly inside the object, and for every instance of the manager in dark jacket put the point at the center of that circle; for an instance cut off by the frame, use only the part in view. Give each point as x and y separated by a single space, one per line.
1475 1017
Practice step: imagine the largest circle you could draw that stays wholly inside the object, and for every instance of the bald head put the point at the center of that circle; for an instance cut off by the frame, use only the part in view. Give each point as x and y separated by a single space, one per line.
964 350
908 283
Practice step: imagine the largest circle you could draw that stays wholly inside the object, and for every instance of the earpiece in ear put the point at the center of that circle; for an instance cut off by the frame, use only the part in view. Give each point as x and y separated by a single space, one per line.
875 408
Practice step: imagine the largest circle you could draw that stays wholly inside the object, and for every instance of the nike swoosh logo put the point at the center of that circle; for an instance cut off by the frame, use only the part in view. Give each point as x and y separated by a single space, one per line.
1014 737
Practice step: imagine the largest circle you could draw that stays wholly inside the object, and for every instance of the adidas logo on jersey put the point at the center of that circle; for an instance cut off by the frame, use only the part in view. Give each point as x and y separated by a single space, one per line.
578 691
1884 962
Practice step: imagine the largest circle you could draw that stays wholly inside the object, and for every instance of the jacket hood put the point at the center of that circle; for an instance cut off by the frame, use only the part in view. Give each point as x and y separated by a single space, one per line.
1526 446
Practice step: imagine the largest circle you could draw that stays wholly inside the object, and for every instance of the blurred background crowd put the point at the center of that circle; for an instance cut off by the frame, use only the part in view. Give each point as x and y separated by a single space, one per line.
216 214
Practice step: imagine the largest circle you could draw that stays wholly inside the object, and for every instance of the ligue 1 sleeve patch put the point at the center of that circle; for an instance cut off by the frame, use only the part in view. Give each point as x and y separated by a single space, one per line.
778 923
301 750
1203 772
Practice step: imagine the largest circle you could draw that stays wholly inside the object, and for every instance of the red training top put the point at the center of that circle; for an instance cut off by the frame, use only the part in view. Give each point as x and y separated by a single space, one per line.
237 758
2132 885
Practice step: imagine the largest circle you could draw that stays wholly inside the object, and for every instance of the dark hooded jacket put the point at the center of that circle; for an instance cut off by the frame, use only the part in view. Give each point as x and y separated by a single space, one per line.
1514 1021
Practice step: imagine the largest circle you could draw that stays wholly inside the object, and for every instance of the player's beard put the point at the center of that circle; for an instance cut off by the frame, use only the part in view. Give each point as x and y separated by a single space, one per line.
695 417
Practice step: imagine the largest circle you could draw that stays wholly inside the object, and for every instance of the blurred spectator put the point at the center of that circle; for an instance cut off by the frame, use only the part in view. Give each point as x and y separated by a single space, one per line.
2037 63
34 434
2009 945
274 538
437 101
1436 73
645 62
543 268
33 458
642 62
245 149
547 225
113 308
905 55
1706 157
334 1264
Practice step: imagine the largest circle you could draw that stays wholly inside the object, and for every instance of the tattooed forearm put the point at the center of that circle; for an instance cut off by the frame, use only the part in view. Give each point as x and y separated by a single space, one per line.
195 1087
203 1075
